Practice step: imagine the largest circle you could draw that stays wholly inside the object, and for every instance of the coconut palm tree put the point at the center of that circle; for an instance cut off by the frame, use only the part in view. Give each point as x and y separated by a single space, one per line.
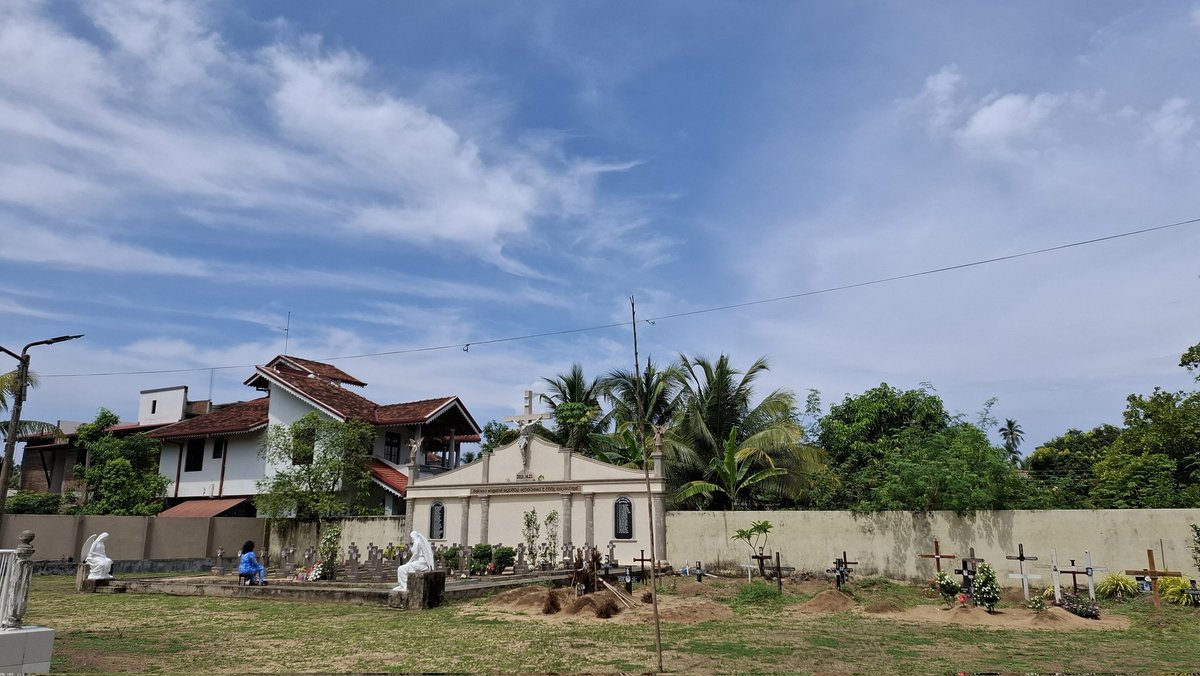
734 473
716 401
659 392
1013 435
575 401
8 392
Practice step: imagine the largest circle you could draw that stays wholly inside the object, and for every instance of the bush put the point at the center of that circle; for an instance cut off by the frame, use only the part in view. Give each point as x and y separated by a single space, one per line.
29 502
1036 603
947 586
1173 590
481 556
327 552
987 590
505 556
1117 586
1081 606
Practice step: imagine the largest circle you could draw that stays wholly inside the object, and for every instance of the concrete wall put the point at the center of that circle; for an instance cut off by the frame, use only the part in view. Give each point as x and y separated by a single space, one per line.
131 538
889 543
362 531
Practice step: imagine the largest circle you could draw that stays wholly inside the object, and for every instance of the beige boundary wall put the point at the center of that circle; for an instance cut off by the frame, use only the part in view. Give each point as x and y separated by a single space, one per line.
360 530
132 538
888 543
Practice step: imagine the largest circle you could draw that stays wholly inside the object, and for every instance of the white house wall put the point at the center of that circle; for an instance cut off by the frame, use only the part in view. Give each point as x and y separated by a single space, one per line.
162 406
243 467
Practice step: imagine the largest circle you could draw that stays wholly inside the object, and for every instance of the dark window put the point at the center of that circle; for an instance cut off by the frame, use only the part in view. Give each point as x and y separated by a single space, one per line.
219 448
153 406
393 447
437 521
623 519
194 460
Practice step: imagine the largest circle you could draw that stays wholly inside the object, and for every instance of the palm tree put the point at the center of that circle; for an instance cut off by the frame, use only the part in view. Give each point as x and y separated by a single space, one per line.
575 402
733 473
659 392
1013 435
8 389
715 403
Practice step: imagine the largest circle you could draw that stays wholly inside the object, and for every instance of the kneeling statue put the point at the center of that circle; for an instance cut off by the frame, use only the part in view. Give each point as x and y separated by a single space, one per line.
421 561
96 558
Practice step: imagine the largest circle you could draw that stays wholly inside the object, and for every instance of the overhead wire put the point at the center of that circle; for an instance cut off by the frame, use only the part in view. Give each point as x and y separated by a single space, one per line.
466 345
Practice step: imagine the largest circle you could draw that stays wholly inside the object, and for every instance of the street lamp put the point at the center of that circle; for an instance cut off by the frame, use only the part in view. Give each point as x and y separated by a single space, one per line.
10 442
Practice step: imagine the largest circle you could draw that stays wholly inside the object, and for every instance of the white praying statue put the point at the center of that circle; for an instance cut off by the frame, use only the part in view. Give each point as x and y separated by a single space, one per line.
96 558
421 561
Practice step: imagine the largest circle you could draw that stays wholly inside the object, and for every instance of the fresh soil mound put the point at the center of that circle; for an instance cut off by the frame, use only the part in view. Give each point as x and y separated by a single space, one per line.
828 601
883 607
521 597
1055 619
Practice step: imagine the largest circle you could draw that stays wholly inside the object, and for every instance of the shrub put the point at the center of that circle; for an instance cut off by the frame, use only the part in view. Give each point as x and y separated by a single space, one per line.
1173 590
481 556
1117 586
504 558
327 552
29 502
1036 603
947 586
987 590
1081 606
1048 593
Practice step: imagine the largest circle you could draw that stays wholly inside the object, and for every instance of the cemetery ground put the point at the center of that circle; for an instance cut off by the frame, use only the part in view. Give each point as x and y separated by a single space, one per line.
722 625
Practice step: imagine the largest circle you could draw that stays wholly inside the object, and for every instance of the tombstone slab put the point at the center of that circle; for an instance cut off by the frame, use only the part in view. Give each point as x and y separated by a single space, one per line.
426 589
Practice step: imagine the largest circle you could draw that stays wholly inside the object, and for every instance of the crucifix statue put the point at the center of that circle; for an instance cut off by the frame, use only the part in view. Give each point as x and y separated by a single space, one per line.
525 423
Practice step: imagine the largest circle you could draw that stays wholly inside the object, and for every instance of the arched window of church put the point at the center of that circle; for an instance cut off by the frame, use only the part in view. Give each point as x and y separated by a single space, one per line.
623 519
437 521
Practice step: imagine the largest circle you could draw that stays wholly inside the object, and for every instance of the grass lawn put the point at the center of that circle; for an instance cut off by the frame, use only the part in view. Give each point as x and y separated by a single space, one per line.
156 633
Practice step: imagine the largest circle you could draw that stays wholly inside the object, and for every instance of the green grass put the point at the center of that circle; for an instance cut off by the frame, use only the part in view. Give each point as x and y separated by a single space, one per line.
149 633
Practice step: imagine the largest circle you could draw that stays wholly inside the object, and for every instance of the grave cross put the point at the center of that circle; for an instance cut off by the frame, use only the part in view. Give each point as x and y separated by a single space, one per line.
1023 576
1153 576
643 560
970 566
519 567
762 559
1089 570
352 557
842 570
612 553
1193 592
937 555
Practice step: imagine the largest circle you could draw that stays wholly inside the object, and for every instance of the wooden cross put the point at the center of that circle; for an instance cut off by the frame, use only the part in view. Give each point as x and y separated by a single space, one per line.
1153 575
643 560
842 570
1023 576
970 565
1089 570
937 555
762 559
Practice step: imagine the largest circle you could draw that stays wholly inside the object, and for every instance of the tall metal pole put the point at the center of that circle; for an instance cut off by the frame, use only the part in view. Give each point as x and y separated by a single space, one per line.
14 423
641 438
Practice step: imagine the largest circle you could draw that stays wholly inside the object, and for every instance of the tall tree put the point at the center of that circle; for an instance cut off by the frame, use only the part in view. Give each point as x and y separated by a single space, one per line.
8 390
121 475
321 469
717 400
1061 470
658 389
1013 435
734 474
575 402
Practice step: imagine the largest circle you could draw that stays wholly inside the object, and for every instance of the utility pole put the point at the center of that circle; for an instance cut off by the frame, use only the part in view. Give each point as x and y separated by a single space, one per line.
641 439
14 423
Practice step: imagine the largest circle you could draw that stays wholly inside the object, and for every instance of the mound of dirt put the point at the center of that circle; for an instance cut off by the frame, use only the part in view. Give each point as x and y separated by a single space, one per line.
1013 618
883 607
521 597
828 601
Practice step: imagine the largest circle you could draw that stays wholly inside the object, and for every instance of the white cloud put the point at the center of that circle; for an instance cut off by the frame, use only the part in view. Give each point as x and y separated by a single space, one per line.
999 127
1169 128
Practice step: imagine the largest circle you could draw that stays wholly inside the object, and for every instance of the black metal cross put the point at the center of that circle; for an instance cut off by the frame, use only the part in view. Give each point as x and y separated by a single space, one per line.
970 565
762 559
842 570
643 560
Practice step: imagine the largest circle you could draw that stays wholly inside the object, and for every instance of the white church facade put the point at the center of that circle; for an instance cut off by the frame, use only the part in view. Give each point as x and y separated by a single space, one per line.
485 501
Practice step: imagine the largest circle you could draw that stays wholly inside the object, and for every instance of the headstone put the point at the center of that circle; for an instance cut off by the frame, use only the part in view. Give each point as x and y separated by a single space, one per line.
289 561
1023 576
352 562
1088 569
426 589
612 556
937 555
519 566
1153 574
464 559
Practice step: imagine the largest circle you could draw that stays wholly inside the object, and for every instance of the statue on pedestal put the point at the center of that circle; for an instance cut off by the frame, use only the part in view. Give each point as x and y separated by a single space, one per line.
94 555
420 561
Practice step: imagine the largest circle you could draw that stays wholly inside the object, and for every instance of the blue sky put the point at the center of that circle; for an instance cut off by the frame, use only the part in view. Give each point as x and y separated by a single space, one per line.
177 177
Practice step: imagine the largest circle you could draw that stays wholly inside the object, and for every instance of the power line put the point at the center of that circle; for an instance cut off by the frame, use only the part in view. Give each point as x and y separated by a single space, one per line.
466 346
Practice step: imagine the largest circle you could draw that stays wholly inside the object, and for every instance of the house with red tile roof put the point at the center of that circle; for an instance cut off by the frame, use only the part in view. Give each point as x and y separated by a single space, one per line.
213 458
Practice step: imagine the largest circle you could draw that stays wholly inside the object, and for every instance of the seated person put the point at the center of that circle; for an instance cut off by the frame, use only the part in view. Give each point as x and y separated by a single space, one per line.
249 565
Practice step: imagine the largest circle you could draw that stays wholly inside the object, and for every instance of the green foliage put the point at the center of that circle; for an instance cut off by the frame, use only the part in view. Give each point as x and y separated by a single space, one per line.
986 591
122 477
1117 586
1195 546
531 534
947 586
551 526
481 556
1060 470
1190 360
29 502
757 593
495 435
328 550
1013 435
1124 480
755 536
321 469
733 474
658 389
1036 603
1174 590
505 556
448 556
579 401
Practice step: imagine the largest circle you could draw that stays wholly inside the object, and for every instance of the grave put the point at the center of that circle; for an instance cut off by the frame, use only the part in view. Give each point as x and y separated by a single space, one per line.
1020 558
937 555
969 569
1153 574
1089 570
841 570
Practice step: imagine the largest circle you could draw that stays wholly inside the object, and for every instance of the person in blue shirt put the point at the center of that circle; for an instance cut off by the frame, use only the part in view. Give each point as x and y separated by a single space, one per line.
249 565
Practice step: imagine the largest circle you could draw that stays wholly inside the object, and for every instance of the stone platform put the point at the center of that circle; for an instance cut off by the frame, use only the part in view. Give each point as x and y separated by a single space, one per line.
26 650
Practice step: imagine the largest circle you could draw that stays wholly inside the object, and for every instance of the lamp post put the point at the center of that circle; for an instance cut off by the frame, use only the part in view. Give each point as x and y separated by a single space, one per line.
10 442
